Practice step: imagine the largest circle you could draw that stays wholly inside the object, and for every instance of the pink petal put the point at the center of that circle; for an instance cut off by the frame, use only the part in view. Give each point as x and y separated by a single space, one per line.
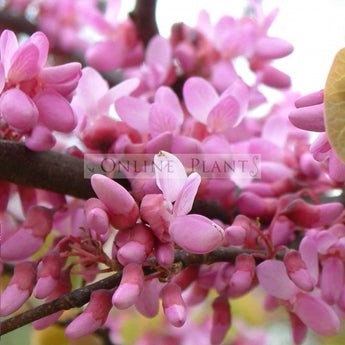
134 111
40 139
221 320
166 96
317 315
148 303
185 198
332 279
200 97
130 287
170 175
309 118
24 64
81 326
8 46
223 115
20 245
12 299
196 233
91 87
55 111
40 40
62 78
106 56
273 278
162 119
310 99
159 56
275 78
173 305
272 48
2 77
299 329
117 199
19 111
118 91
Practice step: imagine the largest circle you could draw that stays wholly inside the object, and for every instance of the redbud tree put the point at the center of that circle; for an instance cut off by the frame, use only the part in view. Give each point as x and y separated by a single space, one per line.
146 175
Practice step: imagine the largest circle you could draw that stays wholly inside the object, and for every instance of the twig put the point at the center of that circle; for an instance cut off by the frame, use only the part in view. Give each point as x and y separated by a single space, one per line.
144 18
81 296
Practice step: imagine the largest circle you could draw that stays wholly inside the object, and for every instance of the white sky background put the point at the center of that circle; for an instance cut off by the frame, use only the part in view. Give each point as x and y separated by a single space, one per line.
316 28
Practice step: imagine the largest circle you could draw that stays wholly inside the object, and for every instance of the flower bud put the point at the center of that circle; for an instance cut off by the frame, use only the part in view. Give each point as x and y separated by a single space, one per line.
297 271
173 305
48 273
130 287
123 210
134 244
19 288
93 317
221 320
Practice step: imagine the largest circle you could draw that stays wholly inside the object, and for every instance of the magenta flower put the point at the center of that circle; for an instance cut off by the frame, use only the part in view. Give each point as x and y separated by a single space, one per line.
173 305
218 113
132 281
312 311
192 232
122 208
35 98
19 288
93 317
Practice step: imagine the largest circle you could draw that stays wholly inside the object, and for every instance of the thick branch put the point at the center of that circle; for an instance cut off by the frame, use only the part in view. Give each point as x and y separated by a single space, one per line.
49 170
16 22
144 18
79 297
64 174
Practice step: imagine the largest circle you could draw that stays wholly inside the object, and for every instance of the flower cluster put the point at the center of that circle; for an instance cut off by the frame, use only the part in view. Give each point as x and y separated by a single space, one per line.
176 238
34 97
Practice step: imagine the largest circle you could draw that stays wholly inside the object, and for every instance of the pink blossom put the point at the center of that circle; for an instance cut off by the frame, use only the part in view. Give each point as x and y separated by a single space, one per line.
123 210
41 98
313 312
19 288
93 317
221 320
173 305
48 274
218 113
127 293
134 244
29 238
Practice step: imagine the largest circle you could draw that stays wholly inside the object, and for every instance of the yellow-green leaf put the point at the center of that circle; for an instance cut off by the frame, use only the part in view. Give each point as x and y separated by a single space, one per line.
334 105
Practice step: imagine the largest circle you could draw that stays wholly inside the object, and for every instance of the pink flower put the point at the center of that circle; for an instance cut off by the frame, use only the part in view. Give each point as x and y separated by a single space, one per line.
192 232
134 245
312 311
35 98
173 305
19 288
93 317
29 238
132 281
122 208
218 113
48 274
221 320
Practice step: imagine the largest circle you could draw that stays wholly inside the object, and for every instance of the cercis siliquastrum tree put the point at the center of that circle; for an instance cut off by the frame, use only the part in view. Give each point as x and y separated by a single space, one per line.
168 235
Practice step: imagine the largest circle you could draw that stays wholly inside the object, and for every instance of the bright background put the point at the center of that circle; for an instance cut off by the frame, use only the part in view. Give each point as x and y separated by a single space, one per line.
316 28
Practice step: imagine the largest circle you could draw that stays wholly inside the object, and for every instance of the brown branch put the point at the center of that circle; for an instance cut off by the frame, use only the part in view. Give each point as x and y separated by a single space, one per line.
79 297
16 23
49 170
64 174
144 18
